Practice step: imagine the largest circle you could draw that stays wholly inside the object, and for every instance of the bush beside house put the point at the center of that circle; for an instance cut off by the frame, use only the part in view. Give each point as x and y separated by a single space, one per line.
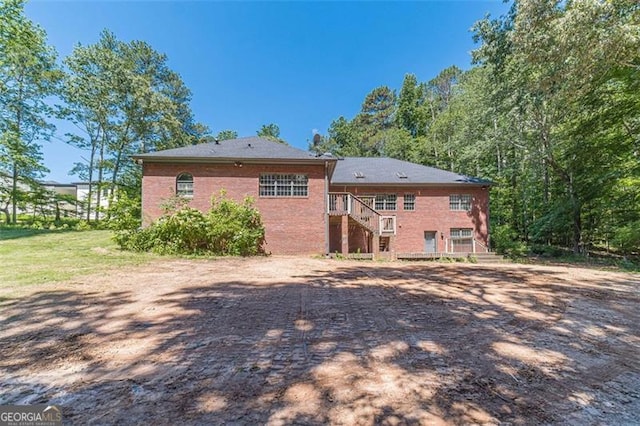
228 228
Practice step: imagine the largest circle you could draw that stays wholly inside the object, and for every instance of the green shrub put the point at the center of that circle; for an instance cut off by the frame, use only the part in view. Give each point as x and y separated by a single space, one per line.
229 228
627 238
505 241
125 213
546 250
82 225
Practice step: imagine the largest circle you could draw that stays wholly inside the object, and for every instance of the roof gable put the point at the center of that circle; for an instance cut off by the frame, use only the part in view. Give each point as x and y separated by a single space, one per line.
389 171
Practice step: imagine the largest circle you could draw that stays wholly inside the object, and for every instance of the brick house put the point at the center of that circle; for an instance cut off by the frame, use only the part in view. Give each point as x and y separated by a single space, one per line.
322 204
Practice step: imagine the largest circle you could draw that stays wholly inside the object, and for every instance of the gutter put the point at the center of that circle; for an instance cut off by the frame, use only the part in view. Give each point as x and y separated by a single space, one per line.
229 160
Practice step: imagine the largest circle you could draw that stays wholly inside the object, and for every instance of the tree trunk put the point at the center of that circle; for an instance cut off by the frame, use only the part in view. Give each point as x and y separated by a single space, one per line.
100 174
7 215
14 194
576 208
91 165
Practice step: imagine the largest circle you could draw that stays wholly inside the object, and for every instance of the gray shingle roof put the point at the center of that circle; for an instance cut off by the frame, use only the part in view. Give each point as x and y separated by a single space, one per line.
386 171
249 148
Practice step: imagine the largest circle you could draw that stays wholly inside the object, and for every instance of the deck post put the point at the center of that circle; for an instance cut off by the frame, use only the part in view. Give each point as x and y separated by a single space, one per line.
327 232
392 247
375 245
344 230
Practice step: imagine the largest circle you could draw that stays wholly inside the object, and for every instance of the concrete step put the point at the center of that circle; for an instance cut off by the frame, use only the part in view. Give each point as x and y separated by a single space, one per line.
488 257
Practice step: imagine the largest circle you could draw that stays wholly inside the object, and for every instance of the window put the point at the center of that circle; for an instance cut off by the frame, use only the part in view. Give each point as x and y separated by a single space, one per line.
386 201
277 185
461 240
460 202
409 201
184 185
461 233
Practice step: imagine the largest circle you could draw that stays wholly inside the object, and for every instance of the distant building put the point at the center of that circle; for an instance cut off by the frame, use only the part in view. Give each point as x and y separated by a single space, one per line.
97 194
57 199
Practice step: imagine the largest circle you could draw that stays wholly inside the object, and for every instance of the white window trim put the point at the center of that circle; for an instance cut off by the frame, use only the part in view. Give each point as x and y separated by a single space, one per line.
187 189
283 185
462 202
411 202
385 202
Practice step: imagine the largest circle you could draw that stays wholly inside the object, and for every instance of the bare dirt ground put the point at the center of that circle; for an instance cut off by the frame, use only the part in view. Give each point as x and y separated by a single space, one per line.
286 340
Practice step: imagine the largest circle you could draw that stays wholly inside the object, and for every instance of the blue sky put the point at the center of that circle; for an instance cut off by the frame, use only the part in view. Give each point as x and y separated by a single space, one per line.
297 64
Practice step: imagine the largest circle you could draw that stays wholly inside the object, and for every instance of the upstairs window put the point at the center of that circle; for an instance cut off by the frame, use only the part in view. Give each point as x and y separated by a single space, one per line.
409 201
460 202
281 185
184 185
386 201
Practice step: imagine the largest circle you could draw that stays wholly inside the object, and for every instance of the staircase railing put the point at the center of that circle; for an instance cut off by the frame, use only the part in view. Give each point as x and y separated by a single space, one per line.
479 247
345 203
388 225
474 246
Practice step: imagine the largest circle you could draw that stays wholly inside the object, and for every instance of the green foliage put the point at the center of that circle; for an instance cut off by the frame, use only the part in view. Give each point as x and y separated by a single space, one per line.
627 237
546 250
550 113
124 99
28 75
224 135
125 212
504 240
271 132
229 228
236 229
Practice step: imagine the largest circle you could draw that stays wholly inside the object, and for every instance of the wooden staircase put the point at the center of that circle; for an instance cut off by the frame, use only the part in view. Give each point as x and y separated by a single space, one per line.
345 203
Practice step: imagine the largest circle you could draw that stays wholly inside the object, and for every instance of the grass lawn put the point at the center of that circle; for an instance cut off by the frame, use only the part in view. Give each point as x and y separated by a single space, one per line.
35 256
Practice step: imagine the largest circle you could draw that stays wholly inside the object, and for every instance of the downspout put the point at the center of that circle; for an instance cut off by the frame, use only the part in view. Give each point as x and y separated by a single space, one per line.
326 208
488 218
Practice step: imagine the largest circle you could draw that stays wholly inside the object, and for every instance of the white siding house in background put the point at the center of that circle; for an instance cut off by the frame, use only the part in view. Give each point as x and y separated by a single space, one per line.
82 196
65 196
63 199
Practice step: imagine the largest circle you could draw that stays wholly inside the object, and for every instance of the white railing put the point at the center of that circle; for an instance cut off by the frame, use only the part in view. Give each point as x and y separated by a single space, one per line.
345 203
388 225
479 247
338 203
473 246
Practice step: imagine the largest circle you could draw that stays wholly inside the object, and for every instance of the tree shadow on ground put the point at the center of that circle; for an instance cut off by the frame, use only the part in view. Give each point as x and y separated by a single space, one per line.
366 344
11 233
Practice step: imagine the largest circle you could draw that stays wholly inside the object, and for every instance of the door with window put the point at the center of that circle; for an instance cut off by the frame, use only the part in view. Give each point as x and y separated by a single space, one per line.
430 241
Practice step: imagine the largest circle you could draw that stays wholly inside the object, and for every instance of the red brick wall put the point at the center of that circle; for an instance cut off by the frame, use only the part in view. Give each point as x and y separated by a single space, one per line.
293 225
431 213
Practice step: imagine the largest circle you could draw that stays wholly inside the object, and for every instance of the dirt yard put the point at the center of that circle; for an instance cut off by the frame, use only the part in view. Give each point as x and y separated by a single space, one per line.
312 341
